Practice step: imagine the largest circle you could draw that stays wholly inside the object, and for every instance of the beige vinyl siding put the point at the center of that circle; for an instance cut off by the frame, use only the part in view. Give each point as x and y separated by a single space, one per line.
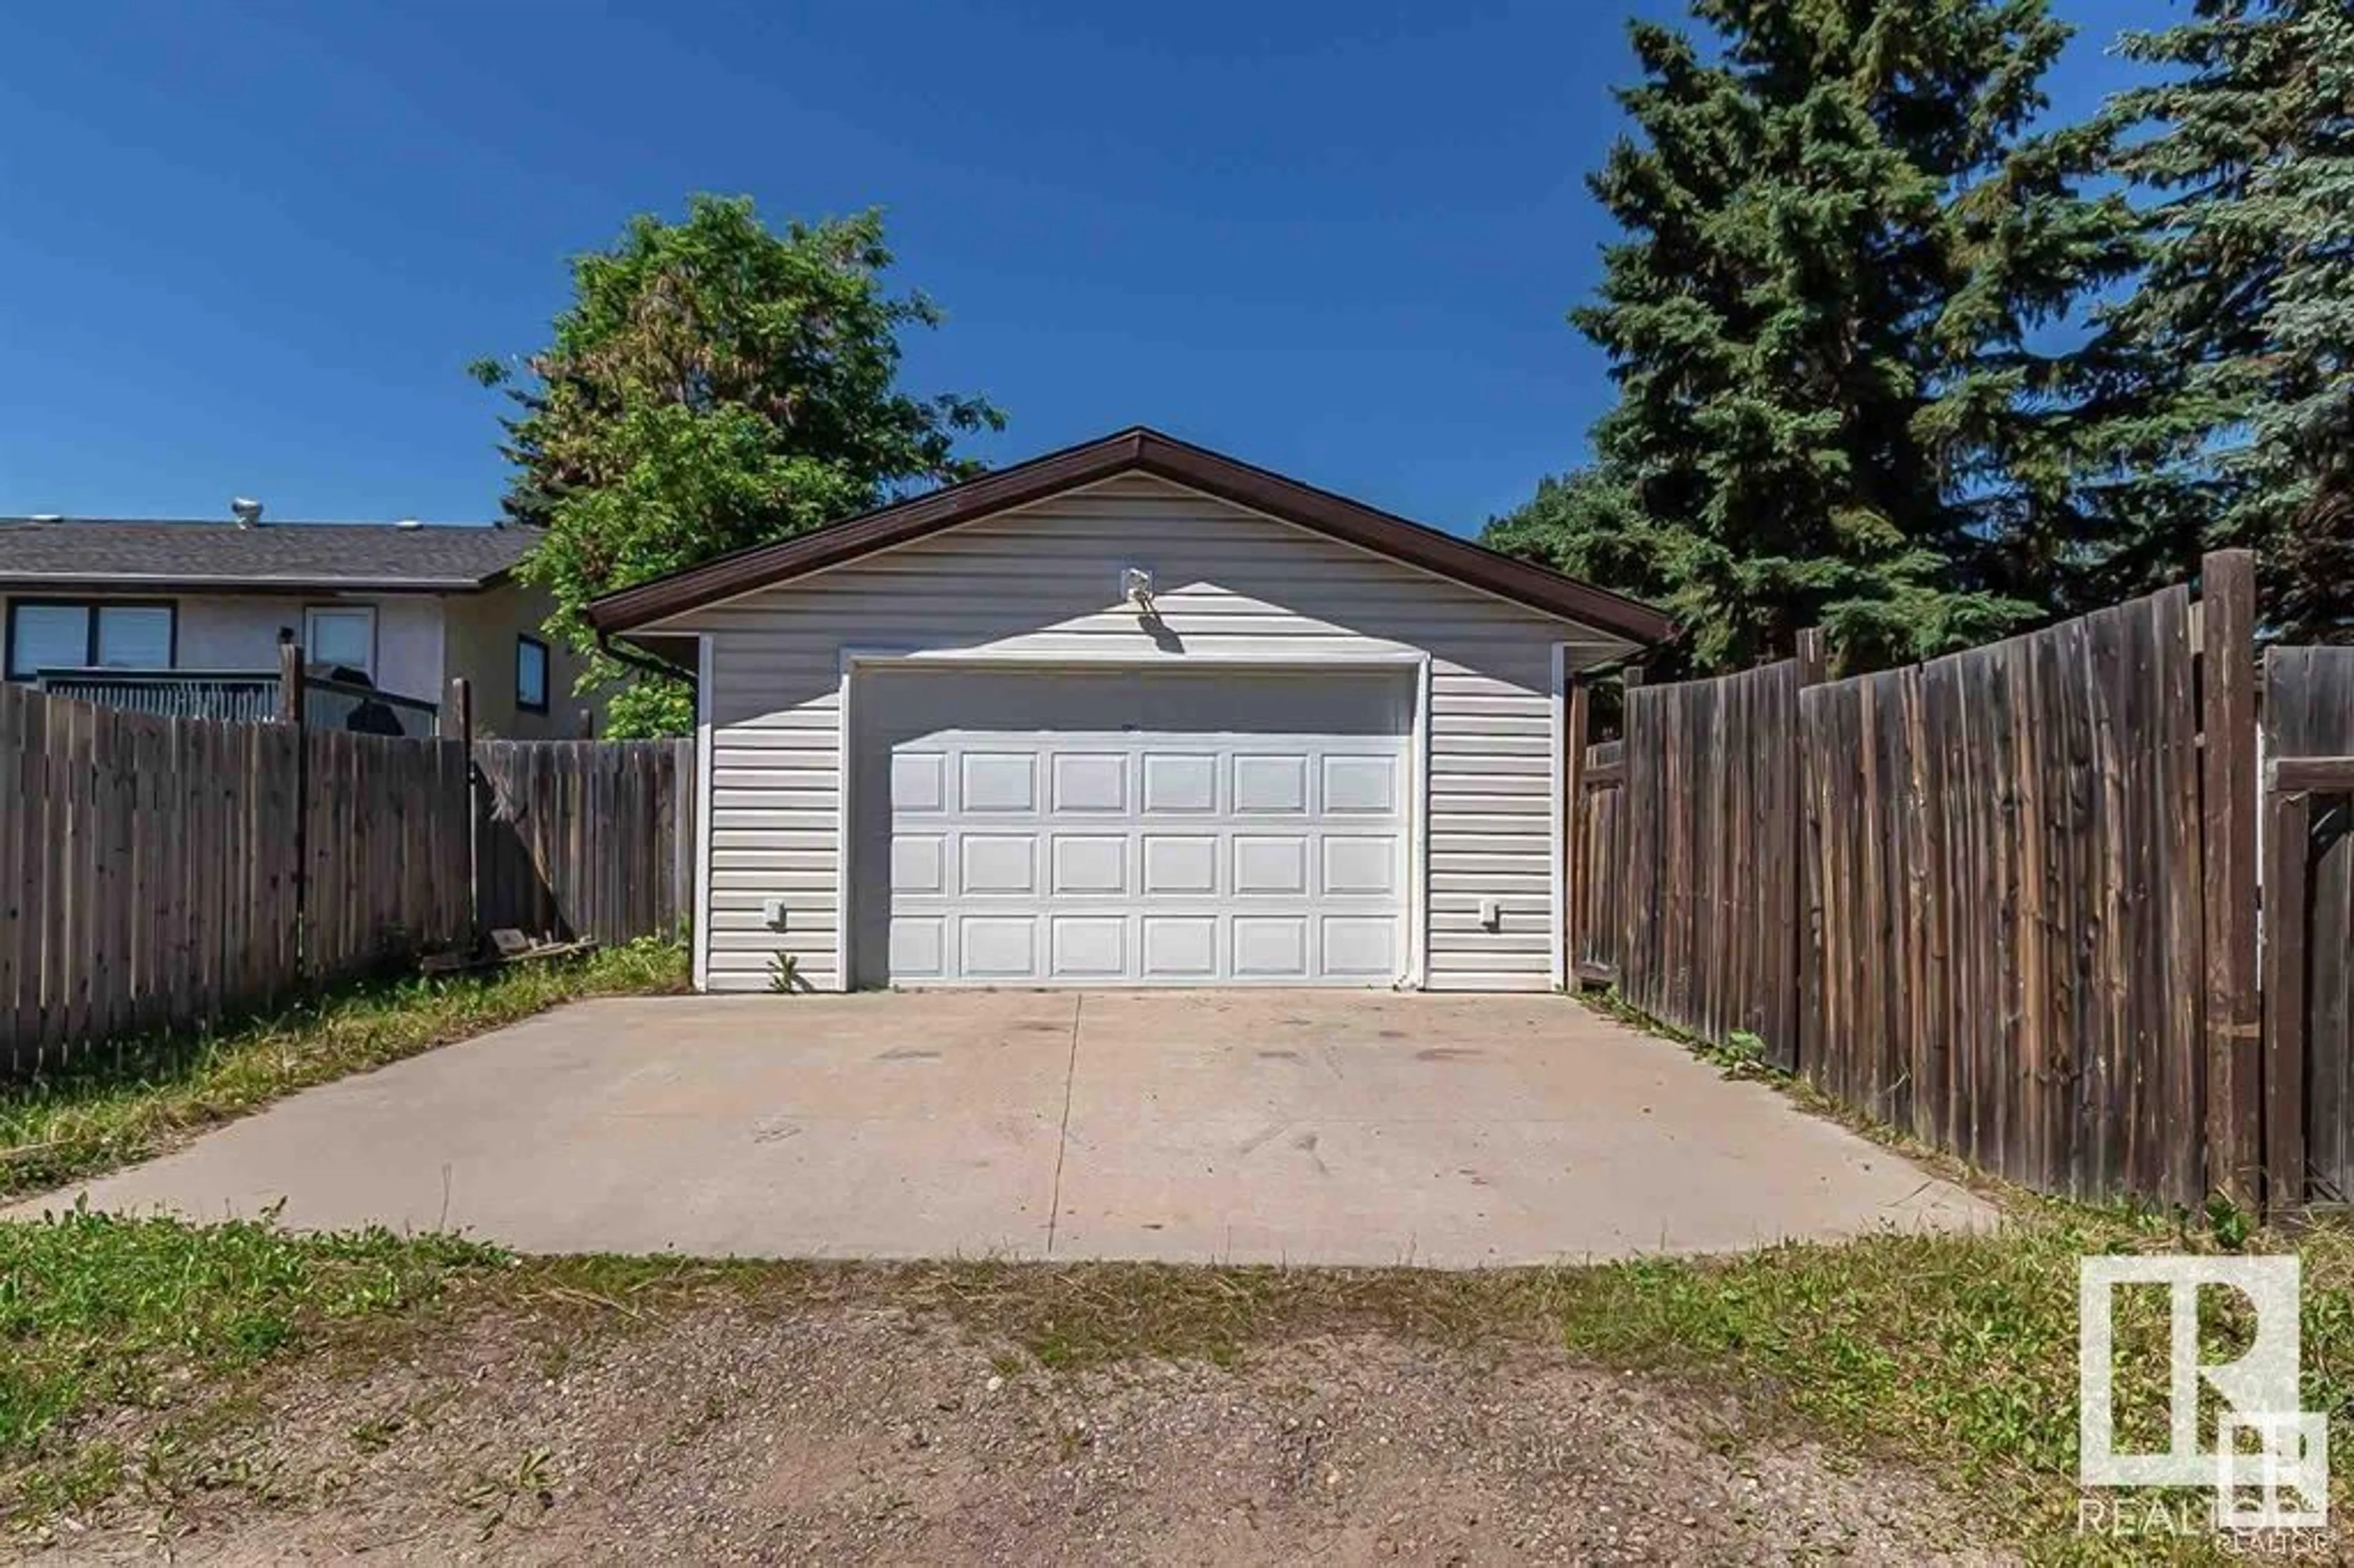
1045 580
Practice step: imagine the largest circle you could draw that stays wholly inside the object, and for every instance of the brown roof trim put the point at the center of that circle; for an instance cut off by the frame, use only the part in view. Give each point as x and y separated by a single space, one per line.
1148 451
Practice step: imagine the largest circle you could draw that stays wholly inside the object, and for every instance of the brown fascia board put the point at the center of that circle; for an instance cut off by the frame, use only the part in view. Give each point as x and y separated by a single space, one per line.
1132 450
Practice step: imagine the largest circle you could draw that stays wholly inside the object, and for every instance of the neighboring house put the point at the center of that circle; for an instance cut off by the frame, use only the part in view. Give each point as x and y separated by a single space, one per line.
1130 714
406 606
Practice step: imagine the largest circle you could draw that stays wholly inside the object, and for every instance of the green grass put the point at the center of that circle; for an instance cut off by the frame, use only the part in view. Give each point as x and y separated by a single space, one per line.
97 1312
1956 1351
137 1100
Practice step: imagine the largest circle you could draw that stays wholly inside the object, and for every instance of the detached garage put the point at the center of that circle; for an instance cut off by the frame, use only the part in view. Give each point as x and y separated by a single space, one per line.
1130 714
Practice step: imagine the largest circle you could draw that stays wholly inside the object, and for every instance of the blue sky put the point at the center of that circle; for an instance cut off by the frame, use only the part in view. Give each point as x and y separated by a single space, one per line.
249 250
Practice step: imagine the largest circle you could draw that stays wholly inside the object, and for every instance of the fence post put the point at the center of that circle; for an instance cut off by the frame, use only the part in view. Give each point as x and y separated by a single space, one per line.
2233 1029
290 682
1630 680
1576 722
461 720
289 713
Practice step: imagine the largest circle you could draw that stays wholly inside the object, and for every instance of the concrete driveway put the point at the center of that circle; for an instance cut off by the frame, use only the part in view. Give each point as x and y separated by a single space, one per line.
1328 1128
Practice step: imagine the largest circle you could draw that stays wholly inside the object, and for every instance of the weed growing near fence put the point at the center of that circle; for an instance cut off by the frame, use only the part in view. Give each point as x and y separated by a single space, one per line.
127 1105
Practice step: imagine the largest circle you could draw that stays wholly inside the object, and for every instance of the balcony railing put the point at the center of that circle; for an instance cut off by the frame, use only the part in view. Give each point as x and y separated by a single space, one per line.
350 704
245 696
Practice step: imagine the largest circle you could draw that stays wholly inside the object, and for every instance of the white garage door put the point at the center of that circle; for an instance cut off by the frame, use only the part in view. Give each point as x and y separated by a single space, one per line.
1212 848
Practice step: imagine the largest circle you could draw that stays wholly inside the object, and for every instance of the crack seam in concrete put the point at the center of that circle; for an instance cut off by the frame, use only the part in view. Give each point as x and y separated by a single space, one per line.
1063 1138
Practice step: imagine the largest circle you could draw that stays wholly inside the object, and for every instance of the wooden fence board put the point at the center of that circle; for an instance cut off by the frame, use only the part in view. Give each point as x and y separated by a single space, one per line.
583 838
2003 902
1708 843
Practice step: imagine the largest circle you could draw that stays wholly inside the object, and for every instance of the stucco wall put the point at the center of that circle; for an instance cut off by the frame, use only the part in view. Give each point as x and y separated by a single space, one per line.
219 631
482 632
240 632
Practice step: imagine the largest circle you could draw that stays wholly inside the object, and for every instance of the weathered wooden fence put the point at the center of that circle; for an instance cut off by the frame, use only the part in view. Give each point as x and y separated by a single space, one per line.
1597 843
2004 902
586 838
2308 727
148 871
160 874
2007 900
1711 852
385 824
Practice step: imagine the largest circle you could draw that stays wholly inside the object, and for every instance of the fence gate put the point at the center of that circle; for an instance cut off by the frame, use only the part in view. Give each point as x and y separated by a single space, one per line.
1597 850
2308 728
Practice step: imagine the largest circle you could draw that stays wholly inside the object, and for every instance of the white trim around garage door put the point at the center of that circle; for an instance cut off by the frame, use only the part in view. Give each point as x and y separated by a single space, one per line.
704 795
1557 707
1411 659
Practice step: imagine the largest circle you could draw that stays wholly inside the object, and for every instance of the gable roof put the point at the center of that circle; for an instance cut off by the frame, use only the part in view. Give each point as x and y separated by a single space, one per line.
1137 449
45 553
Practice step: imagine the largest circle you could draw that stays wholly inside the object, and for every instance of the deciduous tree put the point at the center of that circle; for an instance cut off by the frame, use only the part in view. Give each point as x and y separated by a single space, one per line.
715 385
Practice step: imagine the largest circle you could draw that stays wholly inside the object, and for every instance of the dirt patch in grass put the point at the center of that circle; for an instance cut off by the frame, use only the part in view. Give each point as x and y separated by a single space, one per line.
238 1393
750 1423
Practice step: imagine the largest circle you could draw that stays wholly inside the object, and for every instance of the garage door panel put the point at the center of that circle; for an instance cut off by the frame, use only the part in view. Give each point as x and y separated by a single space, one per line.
919 946
997 946
1182 948
1144 856
1087 864
1360 864
919 781
1177 864
997 864
1270 947
1360 786
1264 785
1360 945
1181 781
1270 865
919 862
1090 947
996 781
1089 781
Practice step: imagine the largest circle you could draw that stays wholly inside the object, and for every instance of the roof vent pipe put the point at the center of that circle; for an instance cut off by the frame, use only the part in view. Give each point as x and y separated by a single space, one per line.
248 513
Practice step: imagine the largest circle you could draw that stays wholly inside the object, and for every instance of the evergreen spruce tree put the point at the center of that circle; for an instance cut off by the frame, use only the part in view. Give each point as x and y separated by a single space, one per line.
2242 325
1843 248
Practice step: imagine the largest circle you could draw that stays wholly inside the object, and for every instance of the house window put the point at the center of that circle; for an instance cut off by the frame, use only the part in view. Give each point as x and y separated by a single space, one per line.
531 674
67 634
341 634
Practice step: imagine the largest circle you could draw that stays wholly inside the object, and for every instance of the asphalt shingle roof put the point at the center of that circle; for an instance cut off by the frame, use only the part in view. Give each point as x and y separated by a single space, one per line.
34 552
